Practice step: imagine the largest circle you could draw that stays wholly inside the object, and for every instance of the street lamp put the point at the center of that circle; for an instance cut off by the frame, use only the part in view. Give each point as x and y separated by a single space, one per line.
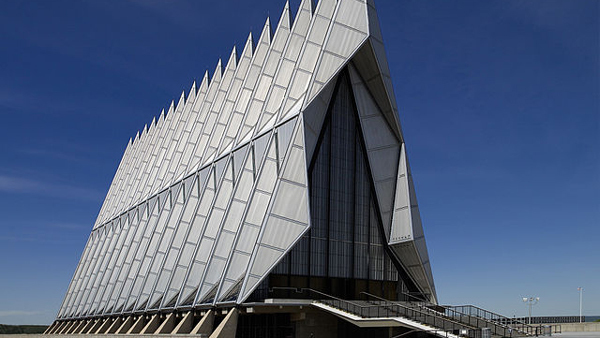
580 303
531 301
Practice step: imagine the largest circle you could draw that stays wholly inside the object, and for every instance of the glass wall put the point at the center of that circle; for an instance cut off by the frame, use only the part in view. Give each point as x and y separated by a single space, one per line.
344 252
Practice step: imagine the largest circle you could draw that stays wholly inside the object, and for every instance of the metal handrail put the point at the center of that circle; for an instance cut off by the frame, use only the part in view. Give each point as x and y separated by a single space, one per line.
496 328
491 314
494 318
428 310
434 319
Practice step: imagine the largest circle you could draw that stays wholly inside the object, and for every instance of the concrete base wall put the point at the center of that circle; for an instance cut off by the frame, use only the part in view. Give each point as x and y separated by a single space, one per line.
580 327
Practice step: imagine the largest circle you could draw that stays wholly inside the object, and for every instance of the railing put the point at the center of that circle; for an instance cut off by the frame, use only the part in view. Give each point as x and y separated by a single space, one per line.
494 318
386 309
474 322
552 319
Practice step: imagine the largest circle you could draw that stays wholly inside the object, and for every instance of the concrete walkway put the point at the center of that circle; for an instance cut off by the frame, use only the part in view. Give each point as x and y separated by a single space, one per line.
577 335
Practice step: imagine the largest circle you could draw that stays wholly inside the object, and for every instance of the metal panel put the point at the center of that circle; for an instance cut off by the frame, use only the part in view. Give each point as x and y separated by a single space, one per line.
265 259
78 271
197 219
138 219
401 223
108 265
284 136
258 208
344 41
193 128
313 117
284 222
161 255
199 139
228 229
383 167
352 13
68 303
207 244
281 233
91 274
151 249
176 248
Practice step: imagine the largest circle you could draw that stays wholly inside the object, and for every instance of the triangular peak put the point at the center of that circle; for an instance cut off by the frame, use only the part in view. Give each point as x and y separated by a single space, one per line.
161 116
366 64
181 101
193 90
285 21
305 5
265 35
205 82
232 63
248 46
191 97
171 108
218 73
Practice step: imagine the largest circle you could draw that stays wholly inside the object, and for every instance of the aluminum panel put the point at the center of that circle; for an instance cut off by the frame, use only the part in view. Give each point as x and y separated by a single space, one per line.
260 147
296 170
274 103
282 233
310 56
366 64
214 221
237 267
329 65
208 288
377 133
266 257
268 178
286 68
102 283
401 225
344 41
239 157
297 88
283 28
138 220
383 163
258 208
284 136
313 117
247 238
353 13
302 20
161 256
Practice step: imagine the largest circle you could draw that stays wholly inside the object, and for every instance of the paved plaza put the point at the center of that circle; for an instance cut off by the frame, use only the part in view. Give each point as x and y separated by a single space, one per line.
577 335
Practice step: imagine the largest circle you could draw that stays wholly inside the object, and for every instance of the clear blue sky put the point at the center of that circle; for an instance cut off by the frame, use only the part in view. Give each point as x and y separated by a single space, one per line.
499 103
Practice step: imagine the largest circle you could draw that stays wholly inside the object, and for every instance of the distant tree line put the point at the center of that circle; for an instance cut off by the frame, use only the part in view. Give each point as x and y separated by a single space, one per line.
16 329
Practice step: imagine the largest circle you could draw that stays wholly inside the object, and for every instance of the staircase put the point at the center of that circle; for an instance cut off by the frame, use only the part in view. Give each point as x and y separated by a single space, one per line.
367 314
443 321
472 317
477 316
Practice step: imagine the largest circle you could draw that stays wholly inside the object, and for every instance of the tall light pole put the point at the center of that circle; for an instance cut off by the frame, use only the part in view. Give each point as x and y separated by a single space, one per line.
580 303
531 301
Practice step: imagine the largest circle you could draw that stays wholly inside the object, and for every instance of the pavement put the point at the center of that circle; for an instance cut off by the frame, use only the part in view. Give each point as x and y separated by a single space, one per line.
577 335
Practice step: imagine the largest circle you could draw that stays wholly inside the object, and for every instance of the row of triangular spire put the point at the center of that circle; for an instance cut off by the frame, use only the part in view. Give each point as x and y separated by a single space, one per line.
142 139
285 19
